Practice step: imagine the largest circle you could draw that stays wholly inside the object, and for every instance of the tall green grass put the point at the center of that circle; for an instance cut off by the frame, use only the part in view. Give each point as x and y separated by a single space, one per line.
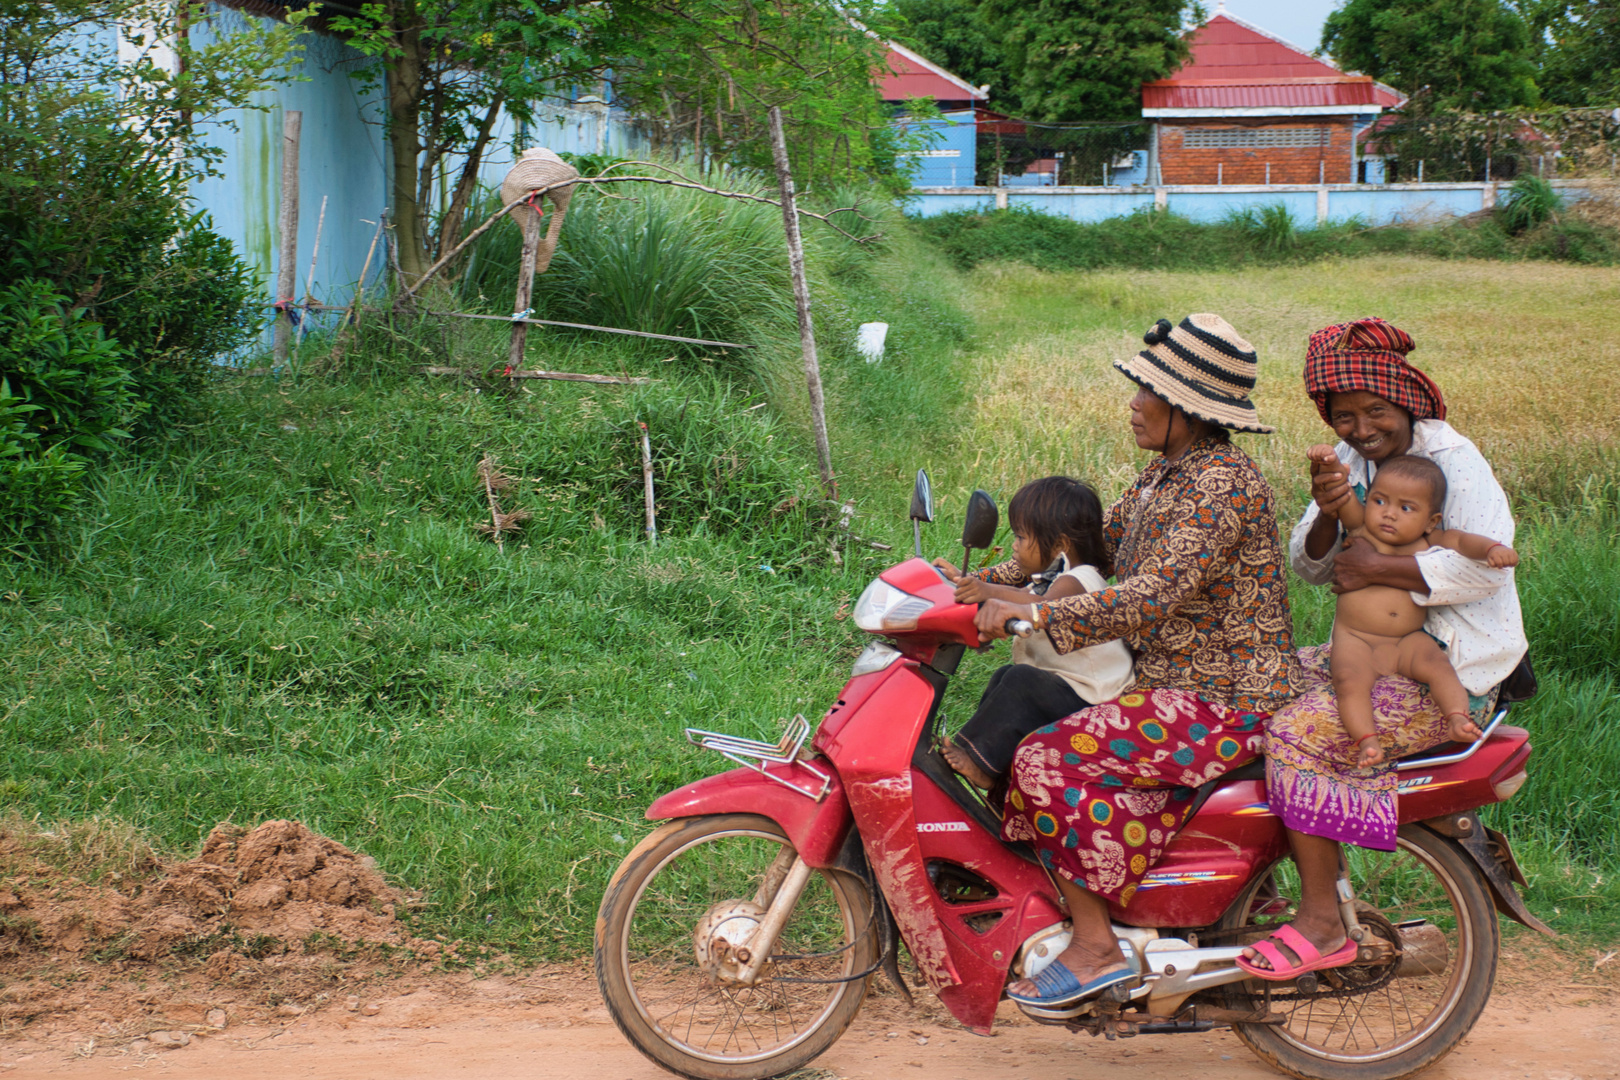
1266 235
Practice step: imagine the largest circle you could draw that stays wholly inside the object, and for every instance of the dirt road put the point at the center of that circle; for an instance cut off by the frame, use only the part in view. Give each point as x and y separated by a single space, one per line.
550 1024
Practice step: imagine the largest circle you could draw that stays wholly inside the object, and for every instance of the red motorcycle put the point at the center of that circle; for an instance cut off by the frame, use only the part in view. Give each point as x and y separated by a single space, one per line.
736 941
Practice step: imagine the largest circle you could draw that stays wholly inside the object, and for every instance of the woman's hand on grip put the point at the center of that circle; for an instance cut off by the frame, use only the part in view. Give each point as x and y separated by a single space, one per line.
992 618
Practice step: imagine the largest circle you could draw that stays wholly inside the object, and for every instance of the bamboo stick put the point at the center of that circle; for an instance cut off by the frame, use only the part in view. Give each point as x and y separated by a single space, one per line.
801 300
563 376
309 282
647 485
525 289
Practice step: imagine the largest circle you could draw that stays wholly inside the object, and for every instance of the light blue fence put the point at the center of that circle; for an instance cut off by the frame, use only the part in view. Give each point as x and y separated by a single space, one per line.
1376 204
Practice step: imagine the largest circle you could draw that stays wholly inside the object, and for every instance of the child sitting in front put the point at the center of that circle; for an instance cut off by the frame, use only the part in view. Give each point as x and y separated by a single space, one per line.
1057 527
1378 630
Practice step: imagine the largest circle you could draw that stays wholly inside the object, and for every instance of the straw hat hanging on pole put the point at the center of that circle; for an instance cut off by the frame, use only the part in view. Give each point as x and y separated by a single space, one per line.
536 169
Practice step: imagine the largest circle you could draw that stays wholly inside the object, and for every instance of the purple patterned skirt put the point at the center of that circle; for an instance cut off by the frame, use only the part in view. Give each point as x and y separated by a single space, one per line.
1314 787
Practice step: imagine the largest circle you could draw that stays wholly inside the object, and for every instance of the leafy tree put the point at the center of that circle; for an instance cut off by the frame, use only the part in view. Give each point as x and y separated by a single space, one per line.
1072 60
709 71
954 35
1447 54
448 68
1578 50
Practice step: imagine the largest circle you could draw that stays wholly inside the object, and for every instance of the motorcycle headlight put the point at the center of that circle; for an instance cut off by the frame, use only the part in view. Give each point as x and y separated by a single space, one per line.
883 608
875 657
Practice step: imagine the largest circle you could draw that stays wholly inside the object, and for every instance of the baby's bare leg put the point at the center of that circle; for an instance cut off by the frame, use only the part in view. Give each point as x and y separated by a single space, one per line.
1354 673
1422 660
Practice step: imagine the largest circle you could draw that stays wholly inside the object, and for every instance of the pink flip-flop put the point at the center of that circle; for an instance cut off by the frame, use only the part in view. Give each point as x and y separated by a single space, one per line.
1282 970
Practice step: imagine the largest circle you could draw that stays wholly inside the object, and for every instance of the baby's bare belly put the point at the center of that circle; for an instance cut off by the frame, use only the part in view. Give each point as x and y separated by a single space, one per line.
1379 609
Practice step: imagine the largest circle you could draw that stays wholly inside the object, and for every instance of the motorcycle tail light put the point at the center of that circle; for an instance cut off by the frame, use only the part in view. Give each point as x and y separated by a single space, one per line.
875 657
883 608
1506 789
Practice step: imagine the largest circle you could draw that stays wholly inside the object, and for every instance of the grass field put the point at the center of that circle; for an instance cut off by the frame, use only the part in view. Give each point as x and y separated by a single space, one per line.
287 613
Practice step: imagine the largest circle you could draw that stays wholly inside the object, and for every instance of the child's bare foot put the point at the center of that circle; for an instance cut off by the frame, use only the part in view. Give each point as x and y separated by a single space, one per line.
967 768
1368 751
1460 727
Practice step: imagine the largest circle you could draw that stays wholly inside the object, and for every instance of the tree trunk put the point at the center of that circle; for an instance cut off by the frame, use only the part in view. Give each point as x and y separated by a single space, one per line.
450 231
404 86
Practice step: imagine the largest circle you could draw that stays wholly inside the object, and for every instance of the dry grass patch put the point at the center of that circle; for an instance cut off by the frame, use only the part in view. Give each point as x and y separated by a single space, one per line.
1528 355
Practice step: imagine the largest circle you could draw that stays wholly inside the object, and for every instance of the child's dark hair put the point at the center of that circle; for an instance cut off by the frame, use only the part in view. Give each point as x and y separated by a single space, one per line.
1055 509
1422 470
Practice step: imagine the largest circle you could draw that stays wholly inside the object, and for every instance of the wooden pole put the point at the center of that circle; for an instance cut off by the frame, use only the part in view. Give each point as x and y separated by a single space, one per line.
801 299
287 269
647 485
525 286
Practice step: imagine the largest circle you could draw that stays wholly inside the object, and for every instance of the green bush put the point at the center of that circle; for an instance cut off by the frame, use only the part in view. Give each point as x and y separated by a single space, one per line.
1529 202
64 395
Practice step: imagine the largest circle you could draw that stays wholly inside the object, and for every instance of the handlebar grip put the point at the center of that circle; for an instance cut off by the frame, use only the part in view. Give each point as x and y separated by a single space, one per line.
1018 627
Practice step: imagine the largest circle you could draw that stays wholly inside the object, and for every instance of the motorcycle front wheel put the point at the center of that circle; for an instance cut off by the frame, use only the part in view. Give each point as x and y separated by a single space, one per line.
660 930
1388 1019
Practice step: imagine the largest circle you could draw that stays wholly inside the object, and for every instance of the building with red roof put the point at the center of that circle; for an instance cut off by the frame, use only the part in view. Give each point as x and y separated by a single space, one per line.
1250 108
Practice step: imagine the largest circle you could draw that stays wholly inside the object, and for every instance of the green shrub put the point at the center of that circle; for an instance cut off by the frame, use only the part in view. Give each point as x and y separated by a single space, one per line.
1270 228
64 395
1529 202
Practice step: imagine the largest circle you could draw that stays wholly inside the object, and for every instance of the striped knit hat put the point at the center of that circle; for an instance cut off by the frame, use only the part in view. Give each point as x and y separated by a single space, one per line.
1370 355
1203 368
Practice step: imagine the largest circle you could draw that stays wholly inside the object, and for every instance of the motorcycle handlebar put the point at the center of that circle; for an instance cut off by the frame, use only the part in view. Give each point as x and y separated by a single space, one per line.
1018 627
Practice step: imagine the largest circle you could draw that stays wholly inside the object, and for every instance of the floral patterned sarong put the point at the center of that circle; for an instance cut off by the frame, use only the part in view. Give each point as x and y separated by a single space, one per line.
1312 784
1100 793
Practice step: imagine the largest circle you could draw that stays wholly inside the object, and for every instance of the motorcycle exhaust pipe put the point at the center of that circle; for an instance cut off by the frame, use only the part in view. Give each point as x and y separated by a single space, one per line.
1423 950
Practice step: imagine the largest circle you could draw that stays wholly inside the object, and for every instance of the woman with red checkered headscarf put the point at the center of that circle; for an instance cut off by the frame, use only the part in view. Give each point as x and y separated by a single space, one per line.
1381 407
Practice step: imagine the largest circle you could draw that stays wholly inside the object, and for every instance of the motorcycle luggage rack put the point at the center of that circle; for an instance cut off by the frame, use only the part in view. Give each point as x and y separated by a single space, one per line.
756 755
1406 764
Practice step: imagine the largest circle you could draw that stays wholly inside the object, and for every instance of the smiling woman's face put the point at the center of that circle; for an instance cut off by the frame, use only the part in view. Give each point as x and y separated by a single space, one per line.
1375 427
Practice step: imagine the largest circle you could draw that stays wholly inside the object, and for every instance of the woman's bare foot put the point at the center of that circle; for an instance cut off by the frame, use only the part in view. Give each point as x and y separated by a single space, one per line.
1326 935
966 767
1084 963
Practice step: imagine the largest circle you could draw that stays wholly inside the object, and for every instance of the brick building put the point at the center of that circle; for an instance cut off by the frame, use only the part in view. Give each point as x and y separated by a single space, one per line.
1249 108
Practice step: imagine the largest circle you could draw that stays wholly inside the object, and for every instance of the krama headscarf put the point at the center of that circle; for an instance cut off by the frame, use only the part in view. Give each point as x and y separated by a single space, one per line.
1370 355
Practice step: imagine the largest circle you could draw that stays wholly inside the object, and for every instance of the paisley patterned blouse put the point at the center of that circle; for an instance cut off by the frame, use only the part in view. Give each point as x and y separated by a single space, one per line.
1202 598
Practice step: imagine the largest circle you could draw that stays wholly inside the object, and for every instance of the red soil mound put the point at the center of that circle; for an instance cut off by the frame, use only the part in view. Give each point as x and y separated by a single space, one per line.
278 881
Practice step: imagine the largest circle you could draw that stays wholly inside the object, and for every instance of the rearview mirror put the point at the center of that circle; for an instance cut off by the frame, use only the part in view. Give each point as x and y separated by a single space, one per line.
982 518
922 509
922 498
979 529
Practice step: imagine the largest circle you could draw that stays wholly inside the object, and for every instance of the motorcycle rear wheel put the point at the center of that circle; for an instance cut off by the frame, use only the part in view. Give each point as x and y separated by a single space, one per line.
678 1013
1409 1022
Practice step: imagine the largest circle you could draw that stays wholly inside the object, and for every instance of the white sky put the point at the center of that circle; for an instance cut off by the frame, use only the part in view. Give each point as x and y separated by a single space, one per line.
1297 21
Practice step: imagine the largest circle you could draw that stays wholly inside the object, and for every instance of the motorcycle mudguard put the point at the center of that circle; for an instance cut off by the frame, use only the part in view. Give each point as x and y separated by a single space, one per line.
816 828
1490 851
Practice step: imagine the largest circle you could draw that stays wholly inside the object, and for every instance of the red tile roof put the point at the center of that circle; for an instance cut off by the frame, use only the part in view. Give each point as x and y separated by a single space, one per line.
909 75
1235 64
1348 90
